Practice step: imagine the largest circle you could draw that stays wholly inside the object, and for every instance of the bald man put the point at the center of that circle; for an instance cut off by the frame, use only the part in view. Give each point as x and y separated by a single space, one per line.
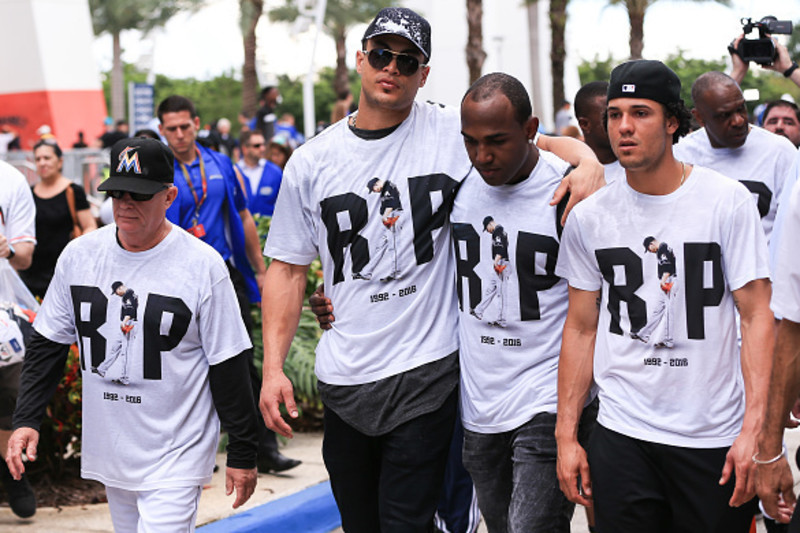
728 144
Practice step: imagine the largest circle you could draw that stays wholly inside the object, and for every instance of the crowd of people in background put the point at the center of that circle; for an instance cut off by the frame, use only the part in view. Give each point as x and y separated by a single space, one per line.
530 384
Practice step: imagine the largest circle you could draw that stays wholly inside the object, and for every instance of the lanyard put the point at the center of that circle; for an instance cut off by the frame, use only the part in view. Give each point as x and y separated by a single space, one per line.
197 201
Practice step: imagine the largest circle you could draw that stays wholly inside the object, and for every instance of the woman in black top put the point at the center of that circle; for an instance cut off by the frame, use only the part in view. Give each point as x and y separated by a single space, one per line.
54 219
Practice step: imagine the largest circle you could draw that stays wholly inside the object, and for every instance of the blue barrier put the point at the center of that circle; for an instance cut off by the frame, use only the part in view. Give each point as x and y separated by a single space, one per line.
312 510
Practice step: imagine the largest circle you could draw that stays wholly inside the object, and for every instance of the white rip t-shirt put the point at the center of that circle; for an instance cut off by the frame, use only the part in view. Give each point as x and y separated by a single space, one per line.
761 164
512 303
786 288
666 359
149 324
376 212
17 209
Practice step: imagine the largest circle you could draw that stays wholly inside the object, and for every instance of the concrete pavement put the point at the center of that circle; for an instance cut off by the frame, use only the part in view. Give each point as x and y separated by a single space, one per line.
297 501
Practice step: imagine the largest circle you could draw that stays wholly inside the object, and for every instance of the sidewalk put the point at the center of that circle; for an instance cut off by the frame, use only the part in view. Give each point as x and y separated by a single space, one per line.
299 500
214 505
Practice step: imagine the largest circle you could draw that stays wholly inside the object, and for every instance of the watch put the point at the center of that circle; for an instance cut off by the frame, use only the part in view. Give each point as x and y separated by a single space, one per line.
788 71
11 252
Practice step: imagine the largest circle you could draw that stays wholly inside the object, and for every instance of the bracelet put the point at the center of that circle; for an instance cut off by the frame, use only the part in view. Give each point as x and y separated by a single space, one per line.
758 461
788 72
11 252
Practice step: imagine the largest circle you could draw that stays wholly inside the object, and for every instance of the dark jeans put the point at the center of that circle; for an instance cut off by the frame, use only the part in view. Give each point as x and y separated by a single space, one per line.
389 483
644 486
515 475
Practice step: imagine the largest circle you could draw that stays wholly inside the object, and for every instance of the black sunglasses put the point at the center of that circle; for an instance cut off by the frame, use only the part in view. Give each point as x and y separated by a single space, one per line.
379 58
135 196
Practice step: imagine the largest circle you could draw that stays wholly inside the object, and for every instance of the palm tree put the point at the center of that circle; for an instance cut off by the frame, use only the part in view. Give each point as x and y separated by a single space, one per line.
115 16
250 13
636 12
340 16
557 13
475 53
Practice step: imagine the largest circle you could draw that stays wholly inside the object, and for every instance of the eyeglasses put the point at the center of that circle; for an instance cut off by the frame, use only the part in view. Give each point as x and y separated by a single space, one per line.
135 196
380 58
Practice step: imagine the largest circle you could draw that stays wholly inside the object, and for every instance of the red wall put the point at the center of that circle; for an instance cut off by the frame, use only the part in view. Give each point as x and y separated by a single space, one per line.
66 112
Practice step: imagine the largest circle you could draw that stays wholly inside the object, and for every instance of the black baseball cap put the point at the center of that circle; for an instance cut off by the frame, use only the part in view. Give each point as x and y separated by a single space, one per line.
647 79
403 22
139 165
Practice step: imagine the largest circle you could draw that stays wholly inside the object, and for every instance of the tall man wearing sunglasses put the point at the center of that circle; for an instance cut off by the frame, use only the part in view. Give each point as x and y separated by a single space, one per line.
212 206
151 440
388 370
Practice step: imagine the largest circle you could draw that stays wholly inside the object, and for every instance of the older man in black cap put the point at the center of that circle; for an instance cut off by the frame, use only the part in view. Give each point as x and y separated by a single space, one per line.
678 420
150 421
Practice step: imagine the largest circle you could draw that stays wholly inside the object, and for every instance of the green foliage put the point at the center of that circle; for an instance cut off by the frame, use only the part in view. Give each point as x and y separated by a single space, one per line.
338 13
689 69
299 364
324 94
596 69
60 432
114 16
770 85
222 95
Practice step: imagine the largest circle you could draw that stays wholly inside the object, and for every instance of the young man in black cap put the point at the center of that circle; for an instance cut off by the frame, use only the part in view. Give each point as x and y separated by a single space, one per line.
388 370
150 438
677 420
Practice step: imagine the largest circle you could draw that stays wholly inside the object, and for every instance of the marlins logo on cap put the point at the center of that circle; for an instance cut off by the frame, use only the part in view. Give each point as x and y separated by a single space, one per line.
145 166
129 160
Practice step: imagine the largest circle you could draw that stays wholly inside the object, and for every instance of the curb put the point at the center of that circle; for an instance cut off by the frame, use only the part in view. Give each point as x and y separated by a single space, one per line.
312 510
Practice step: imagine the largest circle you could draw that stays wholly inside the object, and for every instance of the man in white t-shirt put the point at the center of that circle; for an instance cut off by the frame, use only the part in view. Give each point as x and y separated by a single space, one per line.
150 428
388 369
774 481
17 241
675 427
728 144
508 373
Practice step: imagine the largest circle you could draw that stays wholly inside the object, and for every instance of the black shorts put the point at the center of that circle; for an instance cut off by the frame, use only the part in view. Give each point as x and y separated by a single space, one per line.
644 486
9 387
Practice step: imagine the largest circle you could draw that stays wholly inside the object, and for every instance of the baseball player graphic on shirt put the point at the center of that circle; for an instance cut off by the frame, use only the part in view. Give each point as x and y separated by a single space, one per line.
391 210
663 315
127 333
498 284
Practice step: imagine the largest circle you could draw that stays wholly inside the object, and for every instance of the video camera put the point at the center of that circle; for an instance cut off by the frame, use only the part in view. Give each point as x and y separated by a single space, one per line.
761 50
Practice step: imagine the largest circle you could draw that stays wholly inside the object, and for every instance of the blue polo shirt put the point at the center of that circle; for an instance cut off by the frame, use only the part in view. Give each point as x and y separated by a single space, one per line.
211 215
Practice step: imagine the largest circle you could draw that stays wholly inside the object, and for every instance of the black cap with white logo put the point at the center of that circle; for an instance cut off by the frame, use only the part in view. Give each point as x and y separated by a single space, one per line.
139 165
647 79
403 22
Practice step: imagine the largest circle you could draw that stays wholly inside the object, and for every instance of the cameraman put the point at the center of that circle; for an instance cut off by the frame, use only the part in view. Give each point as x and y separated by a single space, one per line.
783 63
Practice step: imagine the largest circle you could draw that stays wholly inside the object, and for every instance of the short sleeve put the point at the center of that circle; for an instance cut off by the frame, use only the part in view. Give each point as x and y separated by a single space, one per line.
81 203
576 264
21 219
786 287
292 235
55 317
219 320
745 255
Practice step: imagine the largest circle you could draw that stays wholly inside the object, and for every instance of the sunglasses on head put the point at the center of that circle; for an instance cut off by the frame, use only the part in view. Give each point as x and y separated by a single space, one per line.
135 196
379 58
